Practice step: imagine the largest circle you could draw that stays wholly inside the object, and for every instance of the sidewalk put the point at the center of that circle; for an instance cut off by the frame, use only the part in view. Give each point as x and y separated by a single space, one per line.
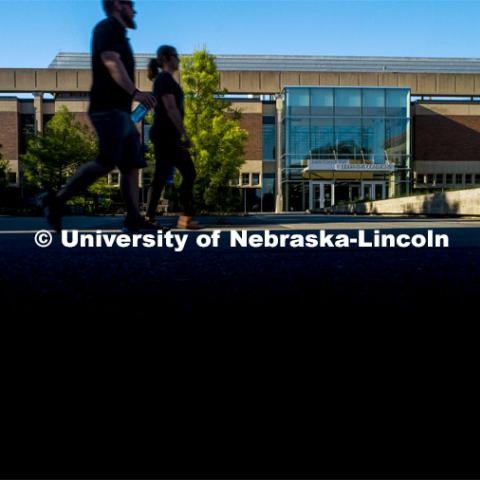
250 222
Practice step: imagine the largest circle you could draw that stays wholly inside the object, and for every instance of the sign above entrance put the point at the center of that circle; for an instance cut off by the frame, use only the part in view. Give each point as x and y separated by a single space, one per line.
335 165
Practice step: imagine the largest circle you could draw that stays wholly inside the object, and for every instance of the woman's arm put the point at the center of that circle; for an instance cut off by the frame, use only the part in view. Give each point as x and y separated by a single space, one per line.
173 112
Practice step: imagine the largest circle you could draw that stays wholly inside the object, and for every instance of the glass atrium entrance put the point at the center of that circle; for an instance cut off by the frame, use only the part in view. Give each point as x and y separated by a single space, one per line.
344 144
322 195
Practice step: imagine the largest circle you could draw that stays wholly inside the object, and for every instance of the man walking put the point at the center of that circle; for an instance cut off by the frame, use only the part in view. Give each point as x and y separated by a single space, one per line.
113 90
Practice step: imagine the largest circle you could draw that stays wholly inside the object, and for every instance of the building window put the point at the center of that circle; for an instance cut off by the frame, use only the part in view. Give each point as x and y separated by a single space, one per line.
27 130
477 178
255 179
322 138
373 140
449 179
396 137
322 102
349 138
269 138
373 102
298 100
468 178
299 140
396 105
12 177
268 192
459 179
419 178
46 118
439 179
252 200
429 179
245 179
236 182
348 101
114 178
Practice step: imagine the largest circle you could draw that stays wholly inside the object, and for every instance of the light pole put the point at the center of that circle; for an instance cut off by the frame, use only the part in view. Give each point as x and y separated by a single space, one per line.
278 157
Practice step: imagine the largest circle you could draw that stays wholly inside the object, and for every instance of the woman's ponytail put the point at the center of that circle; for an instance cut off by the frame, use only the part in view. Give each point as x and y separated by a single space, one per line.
152 69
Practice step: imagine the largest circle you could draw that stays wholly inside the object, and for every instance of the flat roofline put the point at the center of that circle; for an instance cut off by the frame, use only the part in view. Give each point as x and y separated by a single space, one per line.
346 86
300 57
320 63
436 102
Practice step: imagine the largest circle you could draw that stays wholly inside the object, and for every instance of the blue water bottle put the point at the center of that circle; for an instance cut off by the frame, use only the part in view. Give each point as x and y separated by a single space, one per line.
139 113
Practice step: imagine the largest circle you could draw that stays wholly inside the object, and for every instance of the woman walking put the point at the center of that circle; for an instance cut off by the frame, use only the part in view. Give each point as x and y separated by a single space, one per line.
168 136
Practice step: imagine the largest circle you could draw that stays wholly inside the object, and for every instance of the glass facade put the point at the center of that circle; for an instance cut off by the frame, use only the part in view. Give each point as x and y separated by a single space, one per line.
354 138
268 138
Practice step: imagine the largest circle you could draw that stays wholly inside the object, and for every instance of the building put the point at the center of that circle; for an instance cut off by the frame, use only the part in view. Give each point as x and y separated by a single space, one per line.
322 130
344 144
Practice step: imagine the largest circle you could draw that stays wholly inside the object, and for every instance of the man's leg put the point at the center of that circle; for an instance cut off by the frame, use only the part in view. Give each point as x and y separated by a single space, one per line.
129 189
83 178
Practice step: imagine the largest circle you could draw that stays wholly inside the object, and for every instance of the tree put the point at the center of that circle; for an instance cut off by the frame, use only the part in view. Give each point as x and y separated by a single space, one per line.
54 156
4 169
214 128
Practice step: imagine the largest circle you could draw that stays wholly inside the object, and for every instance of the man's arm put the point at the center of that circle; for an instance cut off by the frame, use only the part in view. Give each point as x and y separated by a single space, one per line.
117 70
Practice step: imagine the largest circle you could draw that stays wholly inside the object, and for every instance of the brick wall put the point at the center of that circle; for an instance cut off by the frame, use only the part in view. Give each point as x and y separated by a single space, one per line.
9 135
83 118
252 123
446 138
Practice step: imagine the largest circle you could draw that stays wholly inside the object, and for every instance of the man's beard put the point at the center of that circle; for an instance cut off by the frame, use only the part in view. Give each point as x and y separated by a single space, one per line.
129 21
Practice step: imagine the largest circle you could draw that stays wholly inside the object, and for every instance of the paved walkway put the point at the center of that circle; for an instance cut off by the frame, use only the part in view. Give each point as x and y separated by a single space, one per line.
257 279
464 232
263 221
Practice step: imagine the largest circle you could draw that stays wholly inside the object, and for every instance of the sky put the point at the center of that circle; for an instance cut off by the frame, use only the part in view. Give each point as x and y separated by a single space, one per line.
32 32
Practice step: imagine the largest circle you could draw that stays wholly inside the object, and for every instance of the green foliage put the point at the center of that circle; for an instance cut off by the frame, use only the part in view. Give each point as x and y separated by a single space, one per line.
54 156
99 197
4 169
149 170
214 128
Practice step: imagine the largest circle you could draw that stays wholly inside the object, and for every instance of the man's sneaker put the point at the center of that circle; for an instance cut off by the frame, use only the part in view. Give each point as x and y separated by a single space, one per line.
52 211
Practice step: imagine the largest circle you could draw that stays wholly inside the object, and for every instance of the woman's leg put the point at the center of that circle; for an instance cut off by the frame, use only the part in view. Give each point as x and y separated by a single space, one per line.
163 164
185 166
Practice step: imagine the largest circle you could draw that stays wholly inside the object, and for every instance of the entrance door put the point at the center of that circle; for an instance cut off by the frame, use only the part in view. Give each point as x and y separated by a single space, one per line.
322 195
373 191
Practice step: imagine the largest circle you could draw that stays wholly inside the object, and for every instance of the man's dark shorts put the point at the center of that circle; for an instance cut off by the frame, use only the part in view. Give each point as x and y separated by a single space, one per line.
118 140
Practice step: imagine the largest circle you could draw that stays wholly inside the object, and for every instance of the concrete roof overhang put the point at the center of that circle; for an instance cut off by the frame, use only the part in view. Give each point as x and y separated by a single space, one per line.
261 74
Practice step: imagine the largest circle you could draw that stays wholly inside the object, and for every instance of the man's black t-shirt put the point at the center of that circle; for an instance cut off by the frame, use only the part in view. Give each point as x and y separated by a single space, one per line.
106 94
162 125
